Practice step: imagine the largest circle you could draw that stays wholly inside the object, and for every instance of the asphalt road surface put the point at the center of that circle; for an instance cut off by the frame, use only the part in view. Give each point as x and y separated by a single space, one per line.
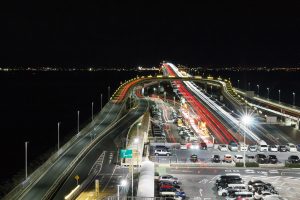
200 182
107 116
108 143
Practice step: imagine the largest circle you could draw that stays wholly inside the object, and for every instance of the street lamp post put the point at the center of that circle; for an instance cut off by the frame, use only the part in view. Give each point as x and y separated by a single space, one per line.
246 120
108 93
26 143
279 95
123 183
249 85
257 90
268 90
92 111
136 141
58 136
211 90
78 121
174 100
238 84
294 98
101 101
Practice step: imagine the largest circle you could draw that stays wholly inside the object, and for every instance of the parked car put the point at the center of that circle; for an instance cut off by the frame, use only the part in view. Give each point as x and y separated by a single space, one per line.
243 147
293 159
194 158
168 184
203 146
291 147
181 194
232 146
231 189
238 158
272 159
168 178
253 148
222 147
231 178
215 158
273 148
162 152
262 194
282 148
298 147
240 195
250 158
262 146
228 158
261 158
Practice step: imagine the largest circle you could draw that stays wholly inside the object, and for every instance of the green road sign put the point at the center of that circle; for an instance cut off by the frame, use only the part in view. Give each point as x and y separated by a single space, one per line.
126 153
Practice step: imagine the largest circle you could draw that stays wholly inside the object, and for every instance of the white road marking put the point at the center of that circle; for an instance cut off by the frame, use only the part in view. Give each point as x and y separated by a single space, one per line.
200 191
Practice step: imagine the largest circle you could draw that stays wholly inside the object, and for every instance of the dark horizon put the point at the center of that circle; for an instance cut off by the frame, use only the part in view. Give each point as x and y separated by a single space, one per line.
112 34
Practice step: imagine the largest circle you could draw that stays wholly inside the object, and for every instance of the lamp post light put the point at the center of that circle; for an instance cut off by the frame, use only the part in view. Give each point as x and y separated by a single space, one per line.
268 90
257 90
238 84
78 112
294 98
279 95
122 184
26 175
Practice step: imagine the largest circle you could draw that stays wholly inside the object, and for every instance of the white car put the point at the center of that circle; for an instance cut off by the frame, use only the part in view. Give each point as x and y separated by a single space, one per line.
252 148
273 148
291 147
223 147
232 187
162 152
168 178
262 195
238 158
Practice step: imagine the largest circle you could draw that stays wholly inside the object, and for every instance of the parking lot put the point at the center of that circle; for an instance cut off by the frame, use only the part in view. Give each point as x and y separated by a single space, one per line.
184 155
200 182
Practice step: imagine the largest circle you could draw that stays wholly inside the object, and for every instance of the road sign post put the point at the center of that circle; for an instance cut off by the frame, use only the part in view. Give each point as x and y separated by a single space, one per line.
126 153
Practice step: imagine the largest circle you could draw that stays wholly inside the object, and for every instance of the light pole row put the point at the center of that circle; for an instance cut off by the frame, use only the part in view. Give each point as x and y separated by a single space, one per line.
268 92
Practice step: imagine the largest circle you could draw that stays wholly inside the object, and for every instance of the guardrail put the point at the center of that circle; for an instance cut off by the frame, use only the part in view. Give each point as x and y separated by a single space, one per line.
79 156
24 186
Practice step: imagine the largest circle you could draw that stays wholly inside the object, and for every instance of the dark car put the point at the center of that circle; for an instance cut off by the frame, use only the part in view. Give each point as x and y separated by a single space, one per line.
224 183
272 159
224 180
261 158
216 159
181 194
282 148
293 159
203 146
194 158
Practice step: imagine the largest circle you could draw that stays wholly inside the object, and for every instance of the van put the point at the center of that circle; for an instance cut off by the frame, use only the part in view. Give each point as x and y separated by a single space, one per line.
262 146
243 147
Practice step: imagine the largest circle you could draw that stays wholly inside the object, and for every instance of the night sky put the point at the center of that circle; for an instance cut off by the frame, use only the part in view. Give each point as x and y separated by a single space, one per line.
107 33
